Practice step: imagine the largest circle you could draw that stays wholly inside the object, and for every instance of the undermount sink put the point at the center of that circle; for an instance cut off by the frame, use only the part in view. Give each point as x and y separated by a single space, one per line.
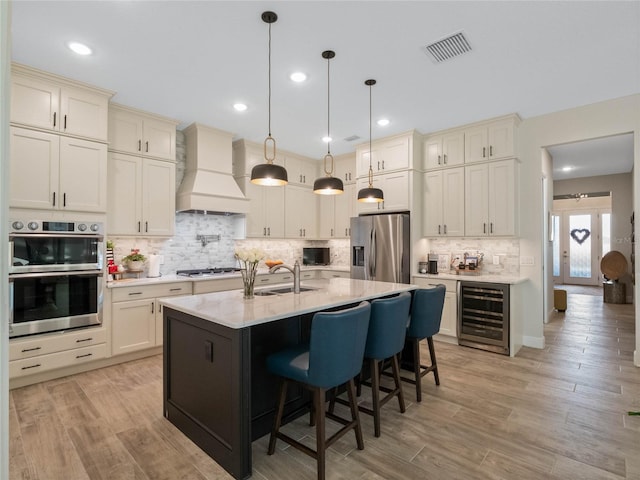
278 291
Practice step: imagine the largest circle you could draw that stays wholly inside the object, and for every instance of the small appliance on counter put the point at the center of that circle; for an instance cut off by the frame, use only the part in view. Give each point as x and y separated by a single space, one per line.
433 264
423 267
154 265
316 256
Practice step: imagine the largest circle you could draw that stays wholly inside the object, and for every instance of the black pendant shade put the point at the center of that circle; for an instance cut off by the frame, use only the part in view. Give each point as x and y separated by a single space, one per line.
328 186
370 194
269 174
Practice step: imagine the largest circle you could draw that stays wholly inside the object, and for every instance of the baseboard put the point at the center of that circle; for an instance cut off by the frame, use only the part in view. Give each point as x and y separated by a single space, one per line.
446 338
533 342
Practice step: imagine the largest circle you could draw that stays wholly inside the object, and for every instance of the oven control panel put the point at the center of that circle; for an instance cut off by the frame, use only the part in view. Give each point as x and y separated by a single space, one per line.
46 226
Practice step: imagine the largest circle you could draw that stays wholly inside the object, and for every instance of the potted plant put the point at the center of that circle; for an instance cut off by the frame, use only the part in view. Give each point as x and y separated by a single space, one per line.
135 261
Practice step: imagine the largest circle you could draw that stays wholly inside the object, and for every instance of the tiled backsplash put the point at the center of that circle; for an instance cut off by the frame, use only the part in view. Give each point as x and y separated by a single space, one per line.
507 251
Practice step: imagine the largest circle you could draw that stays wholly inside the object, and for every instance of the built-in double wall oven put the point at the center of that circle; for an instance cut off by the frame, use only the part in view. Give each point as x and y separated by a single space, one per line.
55 275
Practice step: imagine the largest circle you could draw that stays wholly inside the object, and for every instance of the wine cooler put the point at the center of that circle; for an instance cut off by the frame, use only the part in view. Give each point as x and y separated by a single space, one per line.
483 316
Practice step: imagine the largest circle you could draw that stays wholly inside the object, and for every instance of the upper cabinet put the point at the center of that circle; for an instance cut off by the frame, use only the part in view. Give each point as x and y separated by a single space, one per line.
344 168
396 188
388 154
247 155
49 102
301 171
490 141
136 132
443 150
52 172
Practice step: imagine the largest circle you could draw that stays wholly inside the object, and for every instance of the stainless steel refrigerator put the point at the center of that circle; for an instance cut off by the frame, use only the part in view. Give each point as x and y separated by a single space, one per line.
381 247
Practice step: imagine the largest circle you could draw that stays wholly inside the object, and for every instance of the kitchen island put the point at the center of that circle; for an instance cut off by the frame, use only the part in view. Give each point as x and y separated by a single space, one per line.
217 389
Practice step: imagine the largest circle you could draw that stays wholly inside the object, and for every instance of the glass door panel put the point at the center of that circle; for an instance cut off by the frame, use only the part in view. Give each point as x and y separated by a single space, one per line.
580 252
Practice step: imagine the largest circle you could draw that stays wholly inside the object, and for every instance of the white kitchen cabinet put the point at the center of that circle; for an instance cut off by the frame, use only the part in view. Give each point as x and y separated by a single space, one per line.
54 172
50 102
490 141
344 168
136 315
444 150
449 320
443 203
388 154
299 212
335 212
136 132
396 189
247 155
491 199
266 209
141 196
300 171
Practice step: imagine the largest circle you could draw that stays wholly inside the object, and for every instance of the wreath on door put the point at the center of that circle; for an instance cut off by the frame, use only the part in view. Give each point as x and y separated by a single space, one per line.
580 235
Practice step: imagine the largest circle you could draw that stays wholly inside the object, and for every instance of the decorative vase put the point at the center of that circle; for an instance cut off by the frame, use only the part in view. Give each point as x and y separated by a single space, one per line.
135 266
248 280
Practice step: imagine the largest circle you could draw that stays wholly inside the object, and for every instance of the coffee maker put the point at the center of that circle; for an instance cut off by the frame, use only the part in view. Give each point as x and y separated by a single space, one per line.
432 266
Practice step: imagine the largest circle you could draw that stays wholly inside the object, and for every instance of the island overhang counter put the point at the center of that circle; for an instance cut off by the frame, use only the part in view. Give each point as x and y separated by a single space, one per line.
216 388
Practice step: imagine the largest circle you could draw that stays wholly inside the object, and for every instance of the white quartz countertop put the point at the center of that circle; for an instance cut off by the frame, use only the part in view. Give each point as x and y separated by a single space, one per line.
136 282
231 310
467 277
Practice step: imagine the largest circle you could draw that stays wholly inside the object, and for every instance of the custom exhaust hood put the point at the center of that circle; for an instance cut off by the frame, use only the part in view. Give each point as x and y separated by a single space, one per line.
208 185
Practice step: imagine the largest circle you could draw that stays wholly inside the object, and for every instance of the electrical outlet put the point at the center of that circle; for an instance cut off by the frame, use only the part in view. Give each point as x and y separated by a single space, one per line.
526 260
496 259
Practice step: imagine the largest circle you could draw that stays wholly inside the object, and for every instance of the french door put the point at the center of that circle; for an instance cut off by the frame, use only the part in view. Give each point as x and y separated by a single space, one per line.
579 241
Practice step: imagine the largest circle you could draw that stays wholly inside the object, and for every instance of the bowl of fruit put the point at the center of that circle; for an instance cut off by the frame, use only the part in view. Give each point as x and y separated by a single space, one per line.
272 263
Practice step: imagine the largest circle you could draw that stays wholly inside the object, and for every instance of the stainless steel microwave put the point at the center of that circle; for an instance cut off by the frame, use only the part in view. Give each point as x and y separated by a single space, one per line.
316 256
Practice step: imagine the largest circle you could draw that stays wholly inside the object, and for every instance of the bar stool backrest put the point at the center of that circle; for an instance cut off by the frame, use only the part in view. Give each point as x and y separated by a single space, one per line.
336 347
388 326
426 312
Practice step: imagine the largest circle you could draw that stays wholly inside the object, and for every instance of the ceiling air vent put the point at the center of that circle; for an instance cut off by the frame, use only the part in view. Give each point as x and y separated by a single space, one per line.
448 47
351 138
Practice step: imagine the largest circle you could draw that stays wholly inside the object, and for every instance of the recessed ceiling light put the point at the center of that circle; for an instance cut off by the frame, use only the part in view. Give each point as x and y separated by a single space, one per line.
298 77
326 139
240 107
383 122
79 48
567 169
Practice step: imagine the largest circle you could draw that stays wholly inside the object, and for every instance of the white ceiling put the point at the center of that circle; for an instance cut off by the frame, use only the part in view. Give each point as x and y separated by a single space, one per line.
191 60
601 156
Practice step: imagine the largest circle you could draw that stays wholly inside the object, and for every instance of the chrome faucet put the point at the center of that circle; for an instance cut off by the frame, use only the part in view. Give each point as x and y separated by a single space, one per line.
296 273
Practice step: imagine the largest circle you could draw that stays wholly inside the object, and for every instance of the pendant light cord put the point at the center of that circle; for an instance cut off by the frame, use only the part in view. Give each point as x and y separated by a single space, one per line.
370 149
328 107
269 70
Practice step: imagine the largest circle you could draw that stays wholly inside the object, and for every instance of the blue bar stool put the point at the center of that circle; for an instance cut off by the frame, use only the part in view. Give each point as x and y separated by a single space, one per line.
387 331
426 314
332 358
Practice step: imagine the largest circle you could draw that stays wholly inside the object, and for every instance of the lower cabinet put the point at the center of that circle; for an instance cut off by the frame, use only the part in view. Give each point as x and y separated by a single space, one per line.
136 315
56 350
448 324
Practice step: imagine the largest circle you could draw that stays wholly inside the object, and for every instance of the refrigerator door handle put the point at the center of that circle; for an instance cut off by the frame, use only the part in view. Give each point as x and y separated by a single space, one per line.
372 255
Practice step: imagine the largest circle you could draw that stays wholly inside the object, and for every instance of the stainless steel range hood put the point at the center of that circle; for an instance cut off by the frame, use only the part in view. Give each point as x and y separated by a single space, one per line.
208 185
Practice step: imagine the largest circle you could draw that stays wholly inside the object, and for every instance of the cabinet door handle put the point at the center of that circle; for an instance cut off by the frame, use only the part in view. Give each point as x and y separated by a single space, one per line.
208 351
332 232
135 293
383 164
139 145
84 340
304 232
147 146
138 227
439 163
491 227
269 231
153 307
484 150
484 228
300 233
146 227
84 356
65 122
445 229
34 349
445 158
349 176
346 176
264 231
378 165
491 150
31 366
64 199
54 119
175 289
54 199
265 279
439 232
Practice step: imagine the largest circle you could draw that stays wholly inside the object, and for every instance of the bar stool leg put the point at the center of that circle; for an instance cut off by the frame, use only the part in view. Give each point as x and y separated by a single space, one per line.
319 406
416 368
351 390
395 367
278 418
434 364
375 395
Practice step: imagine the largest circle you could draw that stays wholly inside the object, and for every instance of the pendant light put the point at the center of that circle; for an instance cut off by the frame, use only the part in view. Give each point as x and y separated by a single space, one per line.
370 194
328 185
269 174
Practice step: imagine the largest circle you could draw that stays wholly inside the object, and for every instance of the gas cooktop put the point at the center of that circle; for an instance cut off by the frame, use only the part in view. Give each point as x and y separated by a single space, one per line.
206 272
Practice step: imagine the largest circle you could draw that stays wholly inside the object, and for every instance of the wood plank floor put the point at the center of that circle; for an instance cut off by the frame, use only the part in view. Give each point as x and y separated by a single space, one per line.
557 413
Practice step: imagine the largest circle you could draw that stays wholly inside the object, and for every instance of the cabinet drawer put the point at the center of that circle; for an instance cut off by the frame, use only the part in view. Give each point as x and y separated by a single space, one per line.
43 363
55 342
334 274
150 291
